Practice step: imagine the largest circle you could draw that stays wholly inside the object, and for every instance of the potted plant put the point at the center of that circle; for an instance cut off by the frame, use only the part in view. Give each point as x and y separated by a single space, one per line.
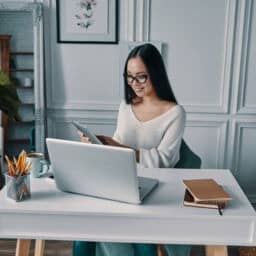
9 100
9 105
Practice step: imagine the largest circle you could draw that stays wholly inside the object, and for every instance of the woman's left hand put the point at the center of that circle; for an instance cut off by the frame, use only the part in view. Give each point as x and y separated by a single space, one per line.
111 142
106 140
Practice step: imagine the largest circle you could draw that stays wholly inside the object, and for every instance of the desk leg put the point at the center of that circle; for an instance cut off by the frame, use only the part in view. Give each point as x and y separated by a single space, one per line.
22 247
39 247
214 250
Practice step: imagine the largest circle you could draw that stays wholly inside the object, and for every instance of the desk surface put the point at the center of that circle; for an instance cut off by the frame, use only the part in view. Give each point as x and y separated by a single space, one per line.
52 214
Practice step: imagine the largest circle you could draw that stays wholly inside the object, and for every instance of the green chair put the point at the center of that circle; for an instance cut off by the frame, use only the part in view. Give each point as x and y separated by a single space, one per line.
188 159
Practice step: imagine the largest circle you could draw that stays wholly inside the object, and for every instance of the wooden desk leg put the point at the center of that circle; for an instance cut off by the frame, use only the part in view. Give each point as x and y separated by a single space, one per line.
39 247
22 247
216 250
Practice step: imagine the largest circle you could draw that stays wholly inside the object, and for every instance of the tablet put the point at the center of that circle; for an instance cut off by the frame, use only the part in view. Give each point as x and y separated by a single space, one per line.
84 129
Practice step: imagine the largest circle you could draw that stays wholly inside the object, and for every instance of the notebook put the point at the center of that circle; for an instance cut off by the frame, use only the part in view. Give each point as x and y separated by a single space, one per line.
98 170
205 193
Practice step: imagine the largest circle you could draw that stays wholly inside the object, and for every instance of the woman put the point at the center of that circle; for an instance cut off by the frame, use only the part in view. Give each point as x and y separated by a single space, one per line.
149 120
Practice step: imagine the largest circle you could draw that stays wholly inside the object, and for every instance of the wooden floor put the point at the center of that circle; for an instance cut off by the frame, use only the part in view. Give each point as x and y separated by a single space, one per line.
64 248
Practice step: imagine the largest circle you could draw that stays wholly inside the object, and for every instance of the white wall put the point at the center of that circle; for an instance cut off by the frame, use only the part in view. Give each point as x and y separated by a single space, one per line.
209 50
82 82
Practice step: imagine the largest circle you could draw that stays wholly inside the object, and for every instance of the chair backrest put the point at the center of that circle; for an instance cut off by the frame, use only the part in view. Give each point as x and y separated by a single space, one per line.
188 159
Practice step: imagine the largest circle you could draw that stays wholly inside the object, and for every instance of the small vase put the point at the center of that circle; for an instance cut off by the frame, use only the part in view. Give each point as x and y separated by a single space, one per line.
18 187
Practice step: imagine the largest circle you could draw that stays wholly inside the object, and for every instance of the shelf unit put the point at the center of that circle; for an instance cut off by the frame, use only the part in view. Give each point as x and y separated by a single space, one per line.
23 21
24 87
21 53
19 140
26 93
22 70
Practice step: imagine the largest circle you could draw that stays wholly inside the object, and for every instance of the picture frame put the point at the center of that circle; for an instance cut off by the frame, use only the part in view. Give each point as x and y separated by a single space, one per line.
87 21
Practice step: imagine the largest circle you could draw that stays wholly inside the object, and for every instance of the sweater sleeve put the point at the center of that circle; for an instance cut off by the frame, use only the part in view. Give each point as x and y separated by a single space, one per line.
167 154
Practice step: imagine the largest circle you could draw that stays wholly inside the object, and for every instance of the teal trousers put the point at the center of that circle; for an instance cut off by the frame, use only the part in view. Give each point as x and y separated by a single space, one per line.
81 248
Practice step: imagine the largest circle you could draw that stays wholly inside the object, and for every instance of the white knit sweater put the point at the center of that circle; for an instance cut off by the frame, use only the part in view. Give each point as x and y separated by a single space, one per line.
158 139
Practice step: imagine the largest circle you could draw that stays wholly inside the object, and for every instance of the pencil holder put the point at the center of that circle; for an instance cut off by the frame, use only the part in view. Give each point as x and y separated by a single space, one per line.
18 187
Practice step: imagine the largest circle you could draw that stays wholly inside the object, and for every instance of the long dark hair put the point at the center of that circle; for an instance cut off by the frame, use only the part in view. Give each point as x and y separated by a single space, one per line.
153 61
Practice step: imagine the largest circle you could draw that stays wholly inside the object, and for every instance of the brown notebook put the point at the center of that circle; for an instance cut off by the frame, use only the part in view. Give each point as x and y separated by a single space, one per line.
205 193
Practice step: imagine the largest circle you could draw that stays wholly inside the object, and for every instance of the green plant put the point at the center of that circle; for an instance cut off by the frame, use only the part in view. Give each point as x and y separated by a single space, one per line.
9 99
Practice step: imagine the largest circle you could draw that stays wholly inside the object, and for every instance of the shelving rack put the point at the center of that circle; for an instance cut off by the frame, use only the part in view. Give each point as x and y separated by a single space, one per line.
23 21
23 138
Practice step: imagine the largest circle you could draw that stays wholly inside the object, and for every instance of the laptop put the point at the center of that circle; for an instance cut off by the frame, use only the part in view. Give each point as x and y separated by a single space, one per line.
98 170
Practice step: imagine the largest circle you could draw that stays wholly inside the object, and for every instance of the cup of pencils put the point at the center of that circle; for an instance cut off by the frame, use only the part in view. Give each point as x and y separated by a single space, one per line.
18 178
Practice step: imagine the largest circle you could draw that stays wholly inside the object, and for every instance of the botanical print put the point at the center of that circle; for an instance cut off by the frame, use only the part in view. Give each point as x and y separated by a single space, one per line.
87 21
85 16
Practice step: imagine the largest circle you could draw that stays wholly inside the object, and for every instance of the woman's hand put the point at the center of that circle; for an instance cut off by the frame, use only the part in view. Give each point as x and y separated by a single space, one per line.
83 138
111 142
106 140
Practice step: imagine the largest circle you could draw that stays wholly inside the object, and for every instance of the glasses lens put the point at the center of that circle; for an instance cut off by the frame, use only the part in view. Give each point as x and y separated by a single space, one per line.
129 79
142 78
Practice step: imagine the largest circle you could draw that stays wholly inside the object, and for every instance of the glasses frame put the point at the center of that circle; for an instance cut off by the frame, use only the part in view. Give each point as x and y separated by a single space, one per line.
135 78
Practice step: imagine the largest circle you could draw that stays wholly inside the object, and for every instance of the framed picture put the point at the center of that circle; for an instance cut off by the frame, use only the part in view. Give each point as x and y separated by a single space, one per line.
87 21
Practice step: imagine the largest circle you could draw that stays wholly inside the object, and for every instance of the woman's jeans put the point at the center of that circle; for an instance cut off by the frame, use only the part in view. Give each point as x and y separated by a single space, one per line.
81 248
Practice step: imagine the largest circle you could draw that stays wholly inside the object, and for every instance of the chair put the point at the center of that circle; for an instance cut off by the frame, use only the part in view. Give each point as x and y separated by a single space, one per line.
188 159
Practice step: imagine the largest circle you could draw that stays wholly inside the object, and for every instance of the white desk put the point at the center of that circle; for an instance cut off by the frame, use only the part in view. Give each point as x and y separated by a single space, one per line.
51 214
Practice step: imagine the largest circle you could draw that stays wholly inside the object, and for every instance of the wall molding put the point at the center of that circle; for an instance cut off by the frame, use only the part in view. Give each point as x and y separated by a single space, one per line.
243 53
236 130
221 124
235 148
87 105
143 20
135 23
129 20
67 119
224 97
139 20
100 105
146 20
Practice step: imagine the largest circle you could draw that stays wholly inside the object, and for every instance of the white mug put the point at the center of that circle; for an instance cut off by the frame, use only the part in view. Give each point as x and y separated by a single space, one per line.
27 81
39 166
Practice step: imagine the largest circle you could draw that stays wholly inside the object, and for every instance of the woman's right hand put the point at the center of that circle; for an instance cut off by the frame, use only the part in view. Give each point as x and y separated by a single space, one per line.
83 138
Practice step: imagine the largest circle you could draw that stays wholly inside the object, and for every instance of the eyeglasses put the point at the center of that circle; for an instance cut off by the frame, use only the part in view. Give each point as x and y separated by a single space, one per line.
141 79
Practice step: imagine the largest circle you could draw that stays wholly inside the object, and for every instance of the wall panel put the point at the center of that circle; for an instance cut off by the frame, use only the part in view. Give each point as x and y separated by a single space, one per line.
209 50
243 160
246 89
199 39
207 138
